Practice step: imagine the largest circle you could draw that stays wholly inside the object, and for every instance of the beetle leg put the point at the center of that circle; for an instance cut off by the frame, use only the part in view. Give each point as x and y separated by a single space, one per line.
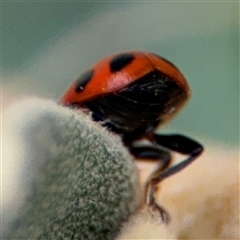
152 153
177 143
151 201
164 157
180 144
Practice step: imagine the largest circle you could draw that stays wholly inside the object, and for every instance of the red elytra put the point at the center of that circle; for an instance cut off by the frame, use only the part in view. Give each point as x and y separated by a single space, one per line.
104 81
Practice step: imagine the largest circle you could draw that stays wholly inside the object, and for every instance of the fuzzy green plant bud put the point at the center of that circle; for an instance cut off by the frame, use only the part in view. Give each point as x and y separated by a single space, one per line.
78 180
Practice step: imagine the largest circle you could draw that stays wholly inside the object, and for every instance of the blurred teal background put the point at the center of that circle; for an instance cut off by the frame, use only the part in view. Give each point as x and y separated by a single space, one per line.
45 45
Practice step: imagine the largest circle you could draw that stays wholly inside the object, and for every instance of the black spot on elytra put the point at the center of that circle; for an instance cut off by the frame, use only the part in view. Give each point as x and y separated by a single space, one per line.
82 81
120 61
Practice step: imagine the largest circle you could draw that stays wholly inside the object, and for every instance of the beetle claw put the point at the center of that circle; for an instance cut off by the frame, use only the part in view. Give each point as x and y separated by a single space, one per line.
164 215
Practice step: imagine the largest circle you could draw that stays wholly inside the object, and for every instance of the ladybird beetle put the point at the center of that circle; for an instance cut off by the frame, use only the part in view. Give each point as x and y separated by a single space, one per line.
132 93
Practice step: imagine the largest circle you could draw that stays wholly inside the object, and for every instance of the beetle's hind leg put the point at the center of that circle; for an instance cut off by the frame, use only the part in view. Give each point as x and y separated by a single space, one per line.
177 143
151 189
180 144
152 153
164 158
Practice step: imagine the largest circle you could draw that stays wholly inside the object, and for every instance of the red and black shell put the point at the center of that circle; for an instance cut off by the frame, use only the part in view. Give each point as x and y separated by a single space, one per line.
131 91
